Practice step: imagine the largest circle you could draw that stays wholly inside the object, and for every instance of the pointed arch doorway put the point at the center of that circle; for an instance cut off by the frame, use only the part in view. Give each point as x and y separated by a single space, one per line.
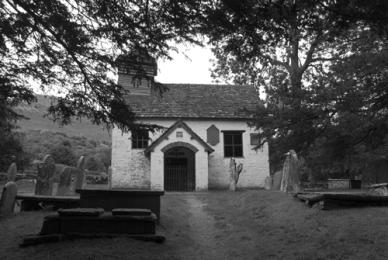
179 169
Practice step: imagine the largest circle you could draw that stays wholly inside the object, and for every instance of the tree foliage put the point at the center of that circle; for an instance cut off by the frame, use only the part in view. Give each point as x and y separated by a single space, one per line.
63 153
322 65
71 47
66 149
11 149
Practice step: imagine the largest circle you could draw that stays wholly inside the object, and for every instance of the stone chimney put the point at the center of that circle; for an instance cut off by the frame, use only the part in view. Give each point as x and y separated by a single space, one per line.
136 72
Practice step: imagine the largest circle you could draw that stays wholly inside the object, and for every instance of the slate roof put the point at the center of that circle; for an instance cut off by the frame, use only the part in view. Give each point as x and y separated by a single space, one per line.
197 101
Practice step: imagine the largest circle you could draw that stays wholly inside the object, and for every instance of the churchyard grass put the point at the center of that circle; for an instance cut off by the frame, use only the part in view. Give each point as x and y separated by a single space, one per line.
249 224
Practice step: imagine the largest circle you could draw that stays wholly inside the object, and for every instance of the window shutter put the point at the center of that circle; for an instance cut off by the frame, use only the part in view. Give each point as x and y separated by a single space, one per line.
255 140
213 135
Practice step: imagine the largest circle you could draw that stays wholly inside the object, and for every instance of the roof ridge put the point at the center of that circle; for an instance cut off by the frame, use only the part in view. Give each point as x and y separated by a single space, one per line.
210 84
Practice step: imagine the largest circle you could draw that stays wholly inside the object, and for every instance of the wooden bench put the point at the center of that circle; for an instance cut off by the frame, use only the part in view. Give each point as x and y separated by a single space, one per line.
36 202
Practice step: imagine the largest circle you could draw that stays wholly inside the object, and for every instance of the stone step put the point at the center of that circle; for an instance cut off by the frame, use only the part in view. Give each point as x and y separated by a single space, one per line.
131 212
52 238
81 212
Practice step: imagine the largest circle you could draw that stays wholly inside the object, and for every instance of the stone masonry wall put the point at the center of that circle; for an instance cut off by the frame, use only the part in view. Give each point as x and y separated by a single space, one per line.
130 168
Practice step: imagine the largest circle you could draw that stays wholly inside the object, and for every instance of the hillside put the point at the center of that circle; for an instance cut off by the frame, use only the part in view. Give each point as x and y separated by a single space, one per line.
36 111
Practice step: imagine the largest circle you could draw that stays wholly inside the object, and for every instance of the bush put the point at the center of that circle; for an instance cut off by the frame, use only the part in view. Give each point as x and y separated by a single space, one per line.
63 154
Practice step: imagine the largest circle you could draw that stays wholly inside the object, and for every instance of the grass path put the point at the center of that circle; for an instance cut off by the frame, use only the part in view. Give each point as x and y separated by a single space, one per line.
203 230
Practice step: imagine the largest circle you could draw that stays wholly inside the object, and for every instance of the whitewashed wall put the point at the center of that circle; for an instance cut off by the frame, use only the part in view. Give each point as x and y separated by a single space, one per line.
131 169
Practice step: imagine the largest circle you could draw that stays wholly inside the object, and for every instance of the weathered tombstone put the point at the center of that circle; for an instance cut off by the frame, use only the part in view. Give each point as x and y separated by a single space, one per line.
380 189
26 186
12 170
235 171
276 180
74 173
290 179
64 187
44 181
81 163
56 177
268 183
80 175
8 198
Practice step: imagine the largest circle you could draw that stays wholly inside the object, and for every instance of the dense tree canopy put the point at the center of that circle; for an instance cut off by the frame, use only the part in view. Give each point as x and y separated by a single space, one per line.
71 47
322 65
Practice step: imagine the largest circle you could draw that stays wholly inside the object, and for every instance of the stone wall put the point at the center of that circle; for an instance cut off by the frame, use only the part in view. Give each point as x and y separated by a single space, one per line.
130 168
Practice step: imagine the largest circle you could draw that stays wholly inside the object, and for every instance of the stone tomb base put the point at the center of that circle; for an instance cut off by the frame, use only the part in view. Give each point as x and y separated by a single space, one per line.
343 184
89 222
96 221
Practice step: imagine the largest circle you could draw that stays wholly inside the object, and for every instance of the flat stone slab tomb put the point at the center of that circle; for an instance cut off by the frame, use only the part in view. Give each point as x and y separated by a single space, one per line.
121 198
332 200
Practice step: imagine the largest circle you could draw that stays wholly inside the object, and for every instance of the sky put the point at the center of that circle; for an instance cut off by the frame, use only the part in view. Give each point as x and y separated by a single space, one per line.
191 65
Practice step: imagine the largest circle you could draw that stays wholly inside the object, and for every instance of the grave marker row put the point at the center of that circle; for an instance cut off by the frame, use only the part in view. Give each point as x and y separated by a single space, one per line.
64 183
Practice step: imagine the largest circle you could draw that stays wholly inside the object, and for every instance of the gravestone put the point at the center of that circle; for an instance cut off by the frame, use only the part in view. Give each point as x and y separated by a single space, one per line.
268 183
290 179
55 179
26 186
276 180
75 173
80 173
380 189
12 170
64 186
8 198
44 180
81 163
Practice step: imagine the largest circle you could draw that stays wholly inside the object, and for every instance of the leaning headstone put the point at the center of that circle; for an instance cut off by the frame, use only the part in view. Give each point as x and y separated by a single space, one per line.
8 198
44 180
290 179
12 170
80 174
64 187
276 180
81 163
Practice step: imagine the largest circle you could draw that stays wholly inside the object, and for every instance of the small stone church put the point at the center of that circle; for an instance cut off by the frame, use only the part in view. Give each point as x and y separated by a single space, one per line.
203 127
